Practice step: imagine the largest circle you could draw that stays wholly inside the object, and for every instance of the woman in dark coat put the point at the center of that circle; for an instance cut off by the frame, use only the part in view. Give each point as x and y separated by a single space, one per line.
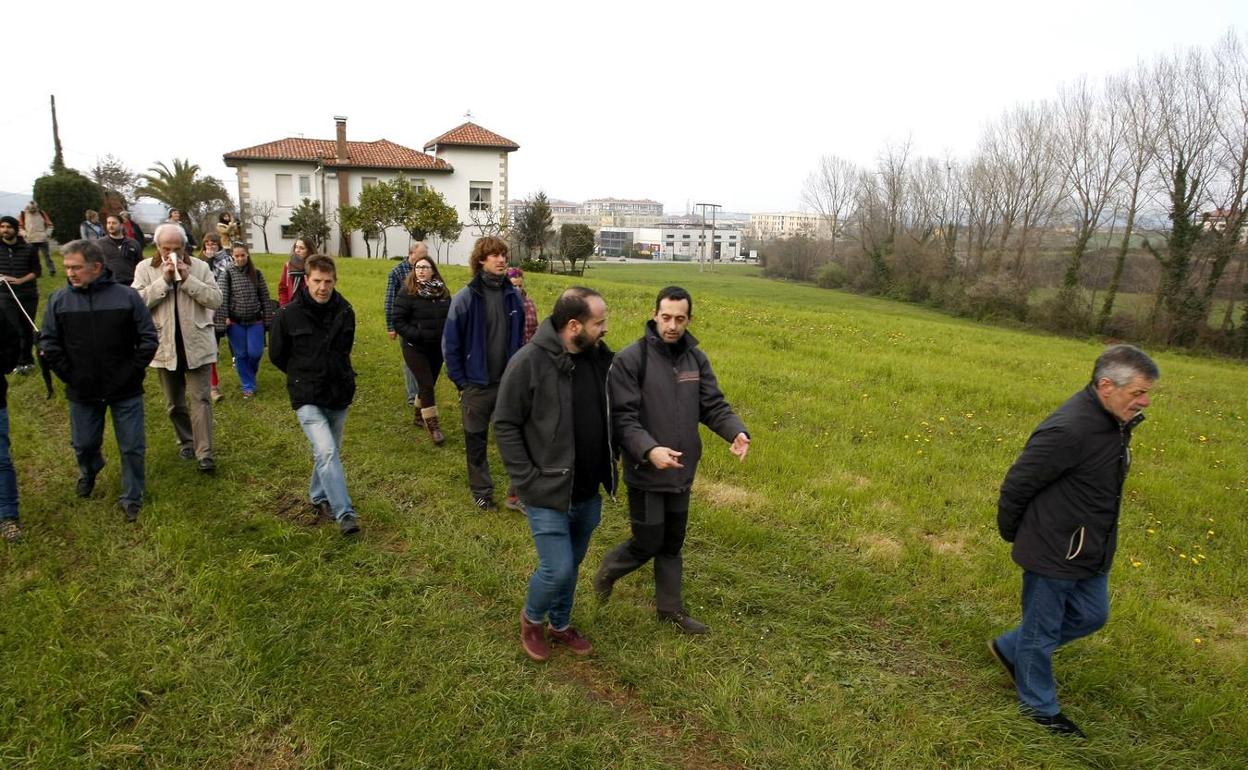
419 315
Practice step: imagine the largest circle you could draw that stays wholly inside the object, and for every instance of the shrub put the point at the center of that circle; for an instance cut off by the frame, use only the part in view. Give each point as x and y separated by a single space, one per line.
65 196
532 265
832 276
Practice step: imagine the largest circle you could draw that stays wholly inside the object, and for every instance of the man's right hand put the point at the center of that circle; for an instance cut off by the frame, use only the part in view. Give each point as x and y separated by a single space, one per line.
663 458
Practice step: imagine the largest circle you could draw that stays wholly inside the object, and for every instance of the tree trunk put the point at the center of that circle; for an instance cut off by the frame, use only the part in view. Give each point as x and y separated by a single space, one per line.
1229 317
1120 261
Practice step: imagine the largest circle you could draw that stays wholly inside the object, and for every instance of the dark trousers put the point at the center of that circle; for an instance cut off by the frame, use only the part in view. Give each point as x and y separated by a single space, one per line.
26 332
658 521
425 364
476 405
42 246
86 435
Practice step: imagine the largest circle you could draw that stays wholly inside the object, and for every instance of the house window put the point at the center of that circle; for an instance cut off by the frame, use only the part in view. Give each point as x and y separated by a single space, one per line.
289 232
285 190
479 196
305 186
368 181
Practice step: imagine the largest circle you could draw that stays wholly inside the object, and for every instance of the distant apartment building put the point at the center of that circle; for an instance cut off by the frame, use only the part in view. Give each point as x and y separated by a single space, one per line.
598 213
788 224
622 207
672 241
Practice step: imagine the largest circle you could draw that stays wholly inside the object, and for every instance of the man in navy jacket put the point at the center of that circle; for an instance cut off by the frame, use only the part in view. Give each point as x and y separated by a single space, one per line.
1059 506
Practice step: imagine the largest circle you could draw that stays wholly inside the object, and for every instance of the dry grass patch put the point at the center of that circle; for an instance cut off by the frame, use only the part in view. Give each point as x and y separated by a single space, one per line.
882 548
724 495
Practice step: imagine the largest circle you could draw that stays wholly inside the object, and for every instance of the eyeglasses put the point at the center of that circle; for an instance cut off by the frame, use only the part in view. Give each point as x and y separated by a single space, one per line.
422 267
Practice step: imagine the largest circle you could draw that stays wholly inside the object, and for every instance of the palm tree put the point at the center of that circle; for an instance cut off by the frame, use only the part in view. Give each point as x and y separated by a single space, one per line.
182 188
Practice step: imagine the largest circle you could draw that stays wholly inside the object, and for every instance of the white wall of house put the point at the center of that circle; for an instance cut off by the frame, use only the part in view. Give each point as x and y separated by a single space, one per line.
281 184
475 167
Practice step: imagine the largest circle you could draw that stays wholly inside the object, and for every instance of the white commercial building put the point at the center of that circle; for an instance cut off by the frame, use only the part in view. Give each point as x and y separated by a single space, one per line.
786 225
672 242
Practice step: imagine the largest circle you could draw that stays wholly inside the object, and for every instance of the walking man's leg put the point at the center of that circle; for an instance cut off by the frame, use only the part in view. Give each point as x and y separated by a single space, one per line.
173 385
477 406
128 428
86 436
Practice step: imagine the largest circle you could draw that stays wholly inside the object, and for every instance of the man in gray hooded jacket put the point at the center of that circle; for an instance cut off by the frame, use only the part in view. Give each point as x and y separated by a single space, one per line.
661 387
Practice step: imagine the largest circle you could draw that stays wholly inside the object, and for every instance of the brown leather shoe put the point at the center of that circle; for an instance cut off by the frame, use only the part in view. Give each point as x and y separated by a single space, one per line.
533 639
572 639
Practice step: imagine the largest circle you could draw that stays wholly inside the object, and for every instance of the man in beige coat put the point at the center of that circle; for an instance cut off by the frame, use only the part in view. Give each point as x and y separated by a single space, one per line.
181 294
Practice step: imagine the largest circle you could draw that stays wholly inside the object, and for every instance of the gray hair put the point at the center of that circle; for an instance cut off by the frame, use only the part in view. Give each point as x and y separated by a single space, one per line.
1120 364
166 227
88 248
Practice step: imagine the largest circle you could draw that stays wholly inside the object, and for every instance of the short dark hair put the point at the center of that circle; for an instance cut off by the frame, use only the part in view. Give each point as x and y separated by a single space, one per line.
483 248
573 303
676 294
321 264
88 248
1122 363
113 216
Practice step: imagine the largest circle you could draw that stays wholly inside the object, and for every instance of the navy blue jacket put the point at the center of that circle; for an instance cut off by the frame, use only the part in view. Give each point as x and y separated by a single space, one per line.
463 339
1060 500
99 340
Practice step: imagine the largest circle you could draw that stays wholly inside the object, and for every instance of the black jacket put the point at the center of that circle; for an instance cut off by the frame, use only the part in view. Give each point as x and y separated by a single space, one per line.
420 321
533 420
99 340
18 259
1060 500
121 257
312 345
10 349
679 391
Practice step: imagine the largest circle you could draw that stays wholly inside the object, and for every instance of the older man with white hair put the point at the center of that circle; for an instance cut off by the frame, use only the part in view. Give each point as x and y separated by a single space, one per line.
182 294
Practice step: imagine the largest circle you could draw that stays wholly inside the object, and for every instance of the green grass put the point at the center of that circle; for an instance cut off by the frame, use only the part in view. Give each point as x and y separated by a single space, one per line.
850 571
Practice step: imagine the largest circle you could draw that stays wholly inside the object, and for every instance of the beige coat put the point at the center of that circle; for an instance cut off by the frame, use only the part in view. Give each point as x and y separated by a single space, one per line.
197 296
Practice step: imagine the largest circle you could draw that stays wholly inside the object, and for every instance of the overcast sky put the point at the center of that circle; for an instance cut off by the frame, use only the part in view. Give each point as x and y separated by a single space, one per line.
731 103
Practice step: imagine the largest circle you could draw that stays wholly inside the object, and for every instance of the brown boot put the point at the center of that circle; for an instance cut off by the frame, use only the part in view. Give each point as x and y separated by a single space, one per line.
430 415
417 419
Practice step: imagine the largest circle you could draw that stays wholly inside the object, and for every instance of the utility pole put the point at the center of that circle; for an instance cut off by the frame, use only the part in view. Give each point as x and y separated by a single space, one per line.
58 158
714 207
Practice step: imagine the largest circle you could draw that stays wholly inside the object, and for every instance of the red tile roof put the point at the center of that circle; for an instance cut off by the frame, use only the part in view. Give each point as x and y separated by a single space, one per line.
382 153
472 135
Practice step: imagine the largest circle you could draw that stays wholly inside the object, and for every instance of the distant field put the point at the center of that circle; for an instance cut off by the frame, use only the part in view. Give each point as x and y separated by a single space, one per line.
850 571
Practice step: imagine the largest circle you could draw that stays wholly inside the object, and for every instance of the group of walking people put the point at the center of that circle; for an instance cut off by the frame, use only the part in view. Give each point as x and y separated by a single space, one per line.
567 411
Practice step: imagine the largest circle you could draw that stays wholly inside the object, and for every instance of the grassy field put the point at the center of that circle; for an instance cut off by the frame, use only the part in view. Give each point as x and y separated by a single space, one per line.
850 571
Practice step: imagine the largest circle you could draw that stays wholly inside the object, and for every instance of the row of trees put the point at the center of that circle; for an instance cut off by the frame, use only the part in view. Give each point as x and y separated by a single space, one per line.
1137 182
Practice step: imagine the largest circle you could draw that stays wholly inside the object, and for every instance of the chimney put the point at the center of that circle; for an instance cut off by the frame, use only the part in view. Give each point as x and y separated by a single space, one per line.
341 122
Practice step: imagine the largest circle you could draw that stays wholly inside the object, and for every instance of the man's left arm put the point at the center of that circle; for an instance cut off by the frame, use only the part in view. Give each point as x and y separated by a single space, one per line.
1050 452
716 413
511 411
392 291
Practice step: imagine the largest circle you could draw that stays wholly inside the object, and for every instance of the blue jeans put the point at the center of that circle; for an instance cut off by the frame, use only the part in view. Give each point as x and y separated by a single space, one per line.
562 538
323 427
247 345
1055 612
409 380
8 476
86 435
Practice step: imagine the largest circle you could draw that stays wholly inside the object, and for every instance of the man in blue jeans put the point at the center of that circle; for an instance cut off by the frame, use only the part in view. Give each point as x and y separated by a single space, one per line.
98 337
550 421
311 342
1059 506
9 349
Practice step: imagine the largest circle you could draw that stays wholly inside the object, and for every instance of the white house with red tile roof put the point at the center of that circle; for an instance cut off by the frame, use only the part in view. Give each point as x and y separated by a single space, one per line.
467 165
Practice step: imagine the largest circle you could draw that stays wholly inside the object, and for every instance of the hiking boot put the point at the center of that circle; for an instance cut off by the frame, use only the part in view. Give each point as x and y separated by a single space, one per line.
215 395
207 465
1059 725
418 419
533 639
572 639
10 531
995 651
685 623
513 502
431 424
485 503
603 584
132 511
187 453
348 525
85 485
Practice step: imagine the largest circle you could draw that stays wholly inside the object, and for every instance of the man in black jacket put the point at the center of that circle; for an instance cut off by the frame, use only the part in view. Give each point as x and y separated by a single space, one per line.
121 253
311 342
9 529
1059 506
19 301
550 420
98 337
661 387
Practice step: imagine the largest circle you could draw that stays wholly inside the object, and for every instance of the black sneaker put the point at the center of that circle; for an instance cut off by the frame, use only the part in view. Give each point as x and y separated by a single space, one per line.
348 524
603 584
132 511
84 486
995 651
187 453
685 623
1059 724
207 465
485 503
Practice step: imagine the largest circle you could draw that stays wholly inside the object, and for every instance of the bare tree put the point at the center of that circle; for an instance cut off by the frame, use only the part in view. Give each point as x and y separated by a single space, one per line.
259 215
831 190
1227 94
